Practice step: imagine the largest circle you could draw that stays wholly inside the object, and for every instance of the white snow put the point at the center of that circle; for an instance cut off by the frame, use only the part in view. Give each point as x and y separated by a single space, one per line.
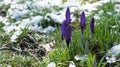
109 13
8 28
115 0
35 28
117 7
36 20
57 18
17 28
115 50
24 23
97 16
48 3
7 2
72 64
112 54
111 59
42 30
51 64
78 57
2 19
17 10
15 35
48 29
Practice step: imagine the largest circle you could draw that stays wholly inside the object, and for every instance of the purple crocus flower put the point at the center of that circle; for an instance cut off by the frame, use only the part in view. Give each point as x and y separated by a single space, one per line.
92 25
66 28
82 21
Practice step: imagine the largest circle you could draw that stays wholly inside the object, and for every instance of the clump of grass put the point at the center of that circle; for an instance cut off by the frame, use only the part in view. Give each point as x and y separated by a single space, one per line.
11 59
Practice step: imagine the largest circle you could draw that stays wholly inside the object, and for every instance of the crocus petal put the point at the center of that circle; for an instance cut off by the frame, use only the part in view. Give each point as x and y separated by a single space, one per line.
68 34
92 25
63 28
68 15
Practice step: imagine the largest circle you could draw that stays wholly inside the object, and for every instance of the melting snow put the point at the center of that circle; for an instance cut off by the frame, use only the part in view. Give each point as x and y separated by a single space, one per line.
51 64
72 64
7 2
15 35
78 57
9 28
48 29
36 20
57 18
18 10
117 7
113 53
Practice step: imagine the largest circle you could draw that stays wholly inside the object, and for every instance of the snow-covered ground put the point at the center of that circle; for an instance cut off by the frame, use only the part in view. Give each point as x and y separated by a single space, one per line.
28 13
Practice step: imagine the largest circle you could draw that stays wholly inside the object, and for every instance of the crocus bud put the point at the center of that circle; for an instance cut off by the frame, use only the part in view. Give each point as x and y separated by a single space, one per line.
92 25
82 21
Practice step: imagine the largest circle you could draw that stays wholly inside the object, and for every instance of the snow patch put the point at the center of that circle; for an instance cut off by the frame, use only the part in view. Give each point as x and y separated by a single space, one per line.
36 20
112 54
117 7
78 57
51 64
17 13
48 29
57 18
72 64
15 35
